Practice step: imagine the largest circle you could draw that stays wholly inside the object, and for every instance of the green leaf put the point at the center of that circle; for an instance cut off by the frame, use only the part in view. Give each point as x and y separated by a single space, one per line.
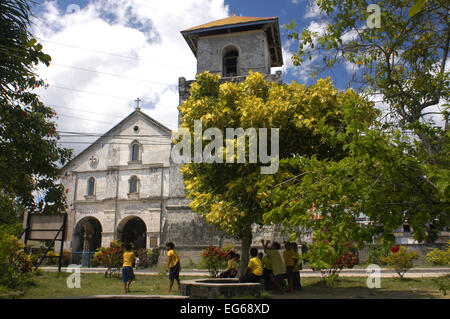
416 8
341 137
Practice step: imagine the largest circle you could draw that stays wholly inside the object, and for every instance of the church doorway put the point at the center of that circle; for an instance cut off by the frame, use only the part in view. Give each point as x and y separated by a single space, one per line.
133 230
87 237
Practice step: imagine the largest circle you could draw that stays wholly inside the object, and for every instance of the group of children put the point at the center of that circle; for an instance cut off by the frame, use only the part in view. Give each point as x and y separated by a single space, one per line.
270 266
275 268
129 261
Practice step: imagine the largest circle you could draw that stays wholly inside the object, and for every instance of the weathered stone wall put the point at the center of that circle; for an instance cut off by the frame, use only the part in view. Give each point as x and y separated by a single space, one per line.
252 47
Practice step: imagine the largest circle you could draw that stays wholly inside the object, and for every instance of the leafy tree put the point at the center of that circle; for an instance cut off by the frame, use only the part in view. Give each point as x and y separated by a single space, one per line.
377 179
404 61
29 153
227 194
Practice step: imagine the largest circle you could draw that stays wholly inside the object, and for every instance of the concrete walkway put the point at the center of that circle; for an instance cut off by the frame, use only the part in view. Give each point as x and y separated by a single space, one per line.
385 272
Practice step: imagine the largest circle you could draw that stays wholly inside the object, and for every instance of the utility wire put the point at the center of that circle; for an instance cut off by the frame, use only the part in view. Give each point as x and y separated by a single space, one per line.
103 94
87 92
114 75
113 54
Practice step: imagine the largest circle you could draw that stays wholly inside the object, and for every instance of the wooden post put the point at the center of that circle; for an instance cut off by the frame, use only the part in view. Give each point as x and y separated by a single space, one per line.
63 235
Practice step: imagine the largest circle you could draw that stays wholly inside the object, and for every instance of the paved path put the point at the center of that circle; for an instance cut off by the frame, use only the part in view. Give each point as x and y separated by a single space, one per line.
385 272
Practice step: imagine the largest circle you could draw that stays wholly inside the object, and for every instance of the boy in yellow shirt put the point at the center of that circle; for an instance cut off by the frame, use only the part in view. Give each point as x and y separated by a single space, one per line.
173 265
255 268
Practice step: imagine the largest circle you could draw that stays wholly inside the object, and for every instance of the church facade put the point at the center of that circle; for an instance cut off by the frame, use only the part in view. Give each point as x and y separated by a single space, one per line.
125 186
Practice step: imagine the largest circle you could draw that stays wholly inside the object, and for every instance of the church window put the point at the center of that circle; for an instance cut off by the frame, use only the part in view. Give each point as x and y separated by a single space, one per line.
230 62
133 184
91 186
135 152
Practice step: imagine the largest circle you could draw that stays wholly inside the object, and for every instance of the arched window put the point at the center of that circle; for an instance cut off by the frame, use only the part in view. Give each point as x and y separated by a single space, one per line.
135 152
133 184
91 186
230 62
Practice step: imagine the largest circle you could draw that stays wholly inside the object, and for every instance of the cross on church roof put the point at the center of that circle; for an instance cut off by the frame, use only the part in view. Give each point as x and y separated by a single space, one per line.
138 101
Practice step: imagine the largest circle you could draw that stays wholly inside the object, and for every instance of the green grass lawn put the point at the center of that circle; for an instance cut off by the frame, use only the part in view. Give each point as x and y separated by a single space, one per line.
356 287
53 285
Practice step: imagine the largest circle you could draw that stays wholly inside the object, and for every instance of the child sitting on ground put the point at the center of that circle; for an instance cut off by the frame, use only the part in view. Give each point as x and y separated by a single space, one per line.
231 270
255 269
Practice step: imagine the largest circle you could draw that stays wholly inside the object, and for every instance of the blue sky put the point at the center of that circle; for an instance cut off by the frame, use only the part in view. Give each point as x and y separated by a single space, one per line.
109 52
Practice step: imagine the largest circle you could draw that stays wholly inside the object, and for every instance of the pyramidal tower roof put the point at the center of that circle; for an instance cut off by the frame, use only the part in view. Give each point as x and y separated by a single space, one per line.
233 20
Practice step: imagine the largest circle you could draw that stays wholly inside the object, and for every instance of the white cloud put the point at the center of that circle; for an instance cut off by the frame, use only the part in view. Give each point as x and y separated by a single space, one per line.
133 48
312 10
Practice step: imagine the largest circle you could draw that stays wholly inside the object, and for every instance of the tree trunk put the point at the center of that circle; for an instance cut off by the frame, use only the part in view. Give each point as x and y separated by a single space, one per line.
246 241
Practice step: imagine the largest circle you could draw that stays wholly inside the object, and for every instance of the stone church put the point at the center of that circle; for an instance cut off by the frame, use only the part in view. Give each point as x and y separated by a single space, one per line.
125 187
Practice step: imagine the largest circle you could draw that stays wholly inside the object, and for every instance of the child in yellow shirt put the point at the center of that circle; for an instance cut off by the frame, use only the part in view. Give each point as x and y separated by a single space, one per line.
255 268
129 259
231 270
173 265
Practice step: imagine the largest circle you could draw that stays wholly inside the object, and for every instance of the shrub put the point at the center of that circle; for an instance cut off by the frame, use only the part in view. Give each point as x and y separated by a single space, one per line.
111 257
439 257
400 259
375 252
214 259
147 257
15 264
51 258
330 260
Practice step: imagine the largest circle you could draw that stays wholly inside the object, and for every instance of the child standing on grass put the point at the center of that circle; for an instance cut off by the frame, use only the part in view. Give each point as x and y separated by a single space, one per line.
173 265
129 259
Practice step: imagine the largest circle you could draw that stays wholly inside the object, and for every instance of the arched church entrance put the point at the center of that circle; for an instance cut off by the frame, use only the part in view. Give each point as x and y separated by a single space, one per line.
133 230
87 237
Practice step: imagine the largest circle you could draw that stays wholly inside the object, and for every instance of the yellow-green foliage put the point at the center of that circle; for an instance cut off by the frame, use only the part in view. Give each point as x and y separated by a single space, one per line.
439 257
401 261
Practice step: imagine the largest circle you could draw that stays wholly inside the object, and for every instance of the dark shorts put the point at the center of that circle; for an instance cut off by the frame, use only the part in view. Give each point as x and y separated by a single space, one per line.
267 273
289 271
251 278
174 272
127 274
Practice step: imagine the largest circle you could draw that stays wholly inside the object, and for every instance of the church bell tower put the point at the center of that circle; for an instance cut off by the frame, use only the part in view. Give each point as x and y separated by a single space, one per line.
234 46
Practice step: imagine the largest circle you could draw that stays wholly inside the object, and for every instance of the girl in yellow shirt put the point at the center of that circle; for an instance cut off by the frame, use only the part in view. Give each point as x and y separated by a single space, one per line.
129 259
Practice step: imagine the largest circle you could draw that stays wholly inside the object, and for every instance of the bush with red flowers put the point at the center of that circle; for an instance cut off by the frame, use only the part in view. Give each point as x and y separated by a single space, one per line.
330 259
400 259
214 259
395 249
111 257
